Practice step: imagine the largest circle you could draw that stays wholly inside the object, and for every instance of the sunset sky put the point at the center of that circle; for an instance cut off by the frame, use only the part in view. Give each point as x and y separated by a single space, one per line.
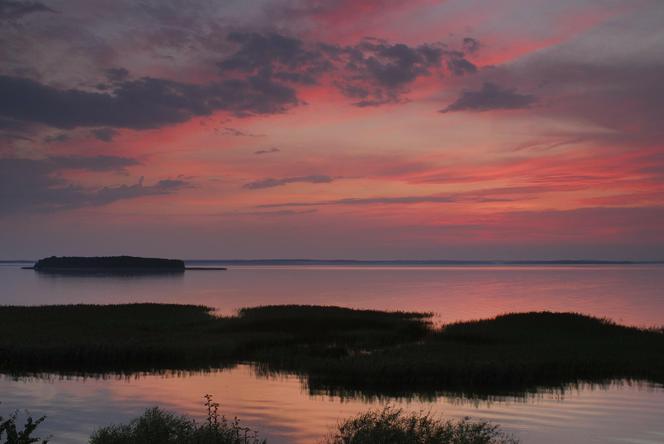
378 129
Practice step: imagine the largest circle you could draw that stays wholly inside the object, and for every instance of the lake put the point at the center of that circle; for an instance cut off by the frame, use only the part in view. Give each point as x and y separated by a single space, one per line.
284 410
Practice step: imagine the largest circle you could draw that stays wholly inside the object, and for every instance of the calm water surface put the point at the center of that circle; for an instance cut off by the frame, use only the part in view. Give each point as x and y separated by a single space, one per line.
284 411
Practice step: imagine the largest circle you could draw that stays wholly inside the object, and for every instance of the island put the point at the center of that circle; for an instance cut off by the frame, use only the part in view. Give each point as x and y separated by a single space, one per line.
110 264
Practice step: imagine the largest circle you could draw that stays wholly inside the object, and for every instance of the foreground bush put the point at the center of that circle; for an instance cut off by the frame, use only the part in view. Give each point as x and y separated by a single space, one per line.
11 433
393 426
387 426
158 427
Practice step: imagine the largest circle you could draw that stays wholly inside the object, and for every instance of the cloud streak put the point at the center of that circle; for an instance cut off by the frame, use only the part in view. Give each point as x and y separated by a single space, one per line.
104 134
267 151
38 185
12 10
391 200
490 97
139 104
272 182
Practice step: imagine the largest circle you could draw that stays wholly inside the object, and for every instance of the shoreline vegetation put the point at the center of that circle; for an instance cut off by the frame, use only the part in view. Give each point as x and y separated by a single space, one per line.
381 426
334 350
388 425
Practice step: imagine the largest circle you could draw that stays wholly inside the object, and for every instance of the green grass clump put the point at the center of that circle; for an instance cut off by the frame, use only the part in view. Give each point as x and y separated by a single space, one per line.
393 426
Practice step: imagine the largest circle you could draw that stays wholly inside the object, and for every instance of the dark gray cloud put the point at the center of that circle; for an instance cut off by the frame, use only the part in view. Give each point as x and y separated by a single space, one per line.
108 195
491 96
117 74
10 124
11 137
276 213
276 56
228 131
11 129
377 72
89 163
612 92
271 182
38 184
459 66
259 75
367 201
394 65
267 151
104 134
57 138
372 71
482 196
11 9
471 45
139 104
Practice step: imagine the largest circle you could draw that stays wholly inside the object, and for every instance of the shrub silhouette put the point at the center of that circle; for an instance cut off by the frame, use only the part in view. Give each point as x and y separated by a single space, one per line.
393 426
156 426
9 430
386 426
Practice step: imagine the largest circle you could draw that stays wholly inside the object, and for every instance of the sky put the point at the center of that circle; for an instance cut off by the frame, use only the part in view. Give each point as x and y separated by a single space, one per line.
379 129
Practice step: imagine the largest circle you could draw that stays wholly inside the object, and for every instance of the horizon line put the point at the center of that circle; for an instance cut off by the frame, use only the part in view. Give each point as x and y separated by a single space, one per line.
412 261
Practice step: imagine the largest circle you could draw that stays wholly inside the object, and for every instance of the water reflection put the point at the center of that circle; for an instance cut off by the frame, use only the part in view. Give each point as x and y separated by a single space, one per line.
284 411
108 274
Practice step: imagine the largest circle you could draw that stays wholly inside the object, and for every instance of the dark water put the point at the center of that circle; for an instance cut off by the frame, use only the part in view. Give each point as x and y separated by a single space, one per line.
283 408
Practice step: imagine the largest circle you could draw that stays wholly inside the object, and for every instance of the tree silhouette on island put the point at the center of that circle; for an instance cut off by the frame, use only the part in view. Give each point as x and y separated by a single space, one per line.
108 263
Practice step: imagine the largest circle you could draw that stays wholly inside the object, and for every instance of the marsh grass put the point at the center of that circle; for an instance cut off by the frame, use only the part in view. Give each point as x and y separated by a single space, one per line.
147 337
394 426
503 355
336 350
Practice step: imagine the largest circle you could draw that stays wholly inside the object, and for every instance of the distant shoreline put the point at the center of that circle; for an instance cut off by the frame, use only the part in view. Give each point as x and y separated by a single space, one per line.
410 262
121 270
197 264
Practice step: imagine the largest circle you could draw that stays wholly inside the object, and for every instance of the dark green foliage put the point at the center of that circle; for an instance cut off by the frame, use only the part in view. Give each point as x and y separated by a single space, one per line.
505 355
335 349
135 337
11 433
108 263
106 338
393 426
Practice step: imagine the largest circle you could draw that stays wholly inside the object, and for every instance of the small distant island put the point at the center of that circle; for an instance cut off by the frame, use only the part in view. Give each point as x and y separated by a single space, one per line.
112 265
108 264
